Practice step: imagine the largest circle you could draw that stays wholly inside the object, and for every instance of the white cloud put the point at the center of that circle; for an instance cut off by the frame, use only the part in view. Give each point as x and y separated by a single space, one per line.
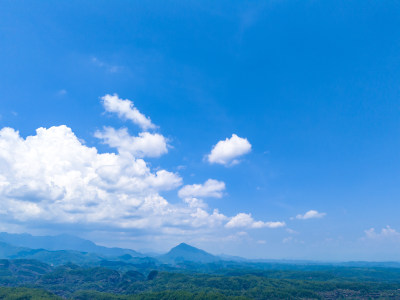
386 233
195 202
247 221
311 214
53 178
211 188
203 218
226 152
125 109
271 224
145 145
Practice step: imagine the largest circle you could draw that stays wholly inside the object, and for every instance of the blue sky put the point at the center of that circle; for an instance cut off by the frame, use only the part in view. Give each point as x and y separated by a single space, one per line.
312 86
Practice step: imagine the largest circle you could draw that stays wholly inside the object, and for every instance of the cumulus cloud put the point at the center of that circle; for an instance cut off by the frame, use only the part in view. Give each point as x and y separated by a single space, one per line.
203 218
53 178
195 202
227 151
385 233
145 145
125 109
246 221
211 188
311 214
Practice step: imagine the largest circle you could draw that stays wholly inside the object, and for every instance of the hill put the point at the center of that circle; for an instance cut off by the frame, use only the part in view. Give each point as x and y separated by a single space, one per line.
184 252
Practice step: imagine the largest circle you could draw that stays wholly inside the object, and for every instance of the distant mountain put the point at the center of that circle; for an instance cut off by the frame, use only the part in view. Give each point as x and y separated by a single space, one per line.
63 242
370 264
9 251
227 257
58 257
184 252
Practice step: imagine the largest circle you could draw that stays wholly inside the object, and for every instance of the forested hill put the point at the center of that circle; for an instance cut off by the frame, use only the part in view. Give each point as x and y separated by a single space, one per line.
76 282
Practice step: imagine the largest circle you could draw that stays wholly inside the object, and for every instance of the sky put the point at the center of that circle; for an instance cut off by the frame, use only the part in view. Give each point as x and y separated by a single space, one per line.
265 129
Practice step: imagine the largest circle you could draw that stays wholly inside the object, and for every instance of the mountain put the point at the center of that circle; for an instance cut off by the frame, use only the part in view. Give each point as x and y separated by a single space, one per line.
63 242
57 257
227 257
184 252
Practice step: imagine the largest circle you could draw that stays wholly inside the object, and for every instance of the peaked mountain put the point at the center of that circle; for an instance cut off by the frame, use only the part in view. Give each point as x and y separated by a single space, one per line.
184 252
63 242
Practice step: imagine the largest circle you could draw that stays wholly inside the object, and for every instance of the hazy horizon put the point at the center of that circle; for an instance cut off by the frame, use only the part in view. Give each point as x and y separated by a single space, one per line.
262 130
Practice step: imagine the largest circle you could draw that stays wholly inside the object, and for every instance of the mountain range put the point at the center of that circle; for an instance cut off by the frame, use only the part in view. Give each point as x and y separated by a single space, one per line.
62 249
63 242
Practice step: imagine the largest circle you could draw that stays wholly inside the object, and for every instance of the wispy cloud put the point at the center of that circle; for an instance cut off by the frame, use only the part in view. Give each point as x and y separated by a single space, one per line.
62 92
385 233
108 67
311 214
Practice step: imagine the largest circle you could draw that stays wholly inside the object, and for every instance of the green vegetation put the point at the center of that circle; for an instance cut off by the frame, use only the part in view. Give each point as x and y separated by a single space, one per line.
31 279
8 293
166 295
